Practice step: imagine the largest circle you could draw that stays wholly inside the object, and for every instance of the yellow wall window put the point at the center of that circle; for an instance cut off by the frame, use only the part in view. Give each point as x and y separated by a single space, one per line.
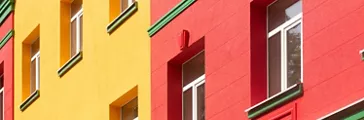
125 107
30 68
71 34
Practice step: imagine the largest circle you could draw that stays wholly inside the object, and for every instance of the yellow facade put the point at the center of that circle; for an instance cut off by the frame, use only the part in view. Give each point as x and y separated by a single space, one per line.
114 67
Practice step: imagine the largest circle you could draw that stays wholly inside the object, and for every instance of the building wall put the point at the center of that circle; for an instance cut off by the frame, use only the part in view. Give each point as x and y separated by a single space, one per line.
7 62
224 26
112 64
332 39
332 42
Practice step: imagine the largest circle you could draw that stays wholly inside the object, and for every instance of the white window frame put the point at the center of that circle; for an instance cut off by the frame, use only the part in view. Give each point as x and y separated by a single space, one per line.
194 85
77 17
3 100
283 28
36 58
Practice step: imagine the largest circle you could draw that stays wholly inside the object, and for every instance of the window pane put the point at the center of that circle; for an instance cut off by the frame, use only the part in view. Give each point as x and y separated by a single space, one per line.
81 31
274 62
73 37
187 105
294 55
32 76
193 68
281 11
201 102
38 64
124 5
34 47
76 6
1 80
130 110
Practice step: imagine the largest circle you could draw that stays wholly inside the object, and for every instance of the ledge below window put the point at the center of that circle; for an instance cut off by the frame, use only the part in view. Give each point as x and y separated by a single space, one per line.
29 100
6 38
69 64
122 17
275 101
353 111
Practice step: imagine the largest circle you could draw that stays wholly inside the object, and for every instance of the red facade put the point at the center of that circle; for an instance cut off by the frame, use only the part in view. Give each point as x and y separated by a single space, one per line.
7 64
233 35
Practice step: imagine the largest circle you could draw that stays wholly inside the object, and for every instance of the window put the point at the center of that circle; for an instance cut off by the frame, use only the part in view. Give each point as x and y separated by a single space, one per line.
119 7
130 110
125 4
76 27
71 31
34 66
30 69
2 97
120 11
193 81
125 107
284 45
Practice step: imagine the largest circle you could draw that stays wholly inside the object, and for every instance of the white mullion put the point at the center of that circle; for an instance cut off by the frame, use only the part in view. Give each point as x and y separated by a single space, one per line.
282 59
196 90
37 72
194 102
284 69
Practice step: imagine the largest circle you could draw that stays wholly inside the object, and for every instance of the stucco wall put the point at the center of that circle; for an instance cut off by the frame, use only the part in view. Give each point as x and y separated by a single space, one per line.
112 64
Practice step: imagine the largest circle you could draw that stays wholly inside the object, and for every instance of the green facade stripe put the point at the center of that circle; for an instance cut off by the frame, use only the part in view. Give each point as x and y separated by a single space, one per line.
5 9
356 116
2 4
178 9
69 64
6 38
276 102
122 17
29 100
